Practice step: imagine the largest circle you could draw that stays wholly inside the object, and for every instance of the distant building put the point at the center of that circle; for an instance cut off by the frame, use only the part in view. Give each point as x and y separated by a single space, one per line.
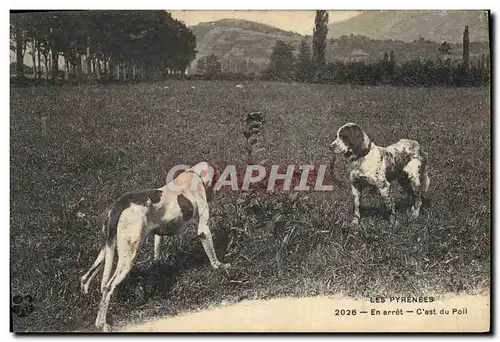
358 55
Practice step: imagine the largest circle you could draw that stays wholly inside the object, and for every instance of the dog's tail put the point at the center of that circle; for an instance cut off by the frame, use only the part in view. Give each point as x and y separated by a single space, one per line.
109 219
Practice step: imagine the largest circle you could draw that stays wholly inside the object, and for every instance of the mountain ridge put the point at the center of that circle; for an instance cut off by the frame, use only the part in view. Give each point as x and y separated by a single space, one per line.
437 26
408 33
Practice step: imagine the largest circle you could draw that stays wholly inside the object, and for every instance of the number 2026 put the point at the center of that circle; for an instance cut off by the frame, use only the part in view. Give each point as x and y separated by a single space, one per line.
345 312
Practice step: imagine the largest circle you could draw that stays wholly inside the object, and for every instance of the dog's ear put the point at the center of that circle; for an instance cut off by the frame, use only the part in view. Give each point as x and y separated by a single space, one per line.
356 139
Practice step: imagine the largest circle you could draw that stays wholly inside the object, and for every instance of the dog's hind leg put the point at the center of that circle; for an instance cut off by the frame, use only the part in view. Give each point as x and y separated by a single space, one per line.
425 181
425 185
87 278
158 247
129 238
424 173
109 258
414 171
405 184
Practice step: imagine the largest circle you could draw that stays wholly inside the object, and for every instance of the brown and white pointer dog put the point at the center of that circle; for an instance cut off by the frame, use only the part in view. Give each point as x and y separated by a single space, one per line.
132 217
404 162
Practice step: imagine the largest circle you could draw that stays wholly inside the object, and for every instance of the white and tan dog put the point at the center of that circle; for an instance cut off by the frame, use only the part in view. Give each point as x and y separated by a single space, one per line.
404 162
162 212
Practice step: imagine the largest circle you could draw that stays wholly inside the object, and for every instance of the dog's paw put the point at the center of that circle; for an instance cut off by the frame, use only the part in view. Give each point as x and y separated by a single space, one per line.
99 324
224 269
414 216
84 289
106 327
84 286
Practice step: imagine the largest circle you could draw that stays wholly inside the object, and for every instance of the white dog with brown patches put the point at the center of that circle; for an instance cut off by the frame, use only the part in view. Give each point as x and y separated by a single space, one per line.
134 216
404 162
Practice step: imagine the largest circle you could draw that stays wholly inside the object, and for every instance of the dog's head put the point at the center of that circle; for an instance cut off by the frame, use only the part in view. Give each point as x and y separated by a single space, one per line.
195 178
351 142
207 176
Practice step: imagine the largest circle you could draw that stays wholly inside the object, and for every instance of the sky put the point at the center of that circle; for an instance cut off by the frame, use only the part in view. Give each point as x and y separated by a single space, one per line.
297 21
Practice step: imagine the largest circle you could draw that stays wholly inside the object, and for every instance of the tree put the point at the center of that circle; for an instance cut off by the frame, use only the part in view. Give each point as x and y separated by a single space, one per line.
319 39
186 47
38 36
304 67
444 48
385 59
392 64
209 66
281 62
18 32
384 67
110 43
466 47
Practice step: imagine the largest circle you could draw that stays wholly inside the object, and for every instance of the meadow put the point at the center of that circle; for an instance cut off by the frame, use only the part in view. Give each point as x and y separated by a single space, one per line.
98 142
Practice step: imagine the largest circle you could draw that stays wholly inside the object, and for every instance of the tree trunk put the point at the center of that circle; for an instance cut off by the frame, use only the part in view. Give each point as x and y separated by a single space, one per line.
66 69
88 60
46 62
78 66
19 53
33 56
465 48
98 70
124 67
94 66
55 65
39 64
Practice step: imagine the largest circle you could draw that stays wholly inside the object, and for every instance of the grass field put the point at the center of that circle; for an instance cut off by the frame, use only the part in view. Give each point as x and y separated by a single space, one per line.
102 141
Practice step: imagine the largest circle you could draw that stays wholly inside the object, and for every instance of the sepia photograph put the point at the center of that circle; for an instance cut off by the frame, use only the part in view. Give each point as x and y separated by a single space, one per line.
317 171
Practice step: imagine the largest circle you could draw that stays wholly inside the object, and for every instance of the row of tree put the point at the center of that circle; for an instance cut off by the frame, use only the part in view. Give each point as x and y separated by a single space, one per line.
102 44
307 67
419 71
283 66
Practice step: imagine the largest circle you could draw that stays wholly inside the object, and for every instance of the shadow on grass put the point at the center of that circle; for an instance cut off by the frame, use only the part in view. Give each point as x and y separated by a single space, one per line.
401 205
158 278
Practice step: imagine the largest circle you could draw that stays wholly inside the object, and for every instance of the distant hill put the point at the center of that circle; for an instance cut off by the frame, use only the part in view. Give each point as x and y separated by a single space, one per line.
240 39
438 26
408 33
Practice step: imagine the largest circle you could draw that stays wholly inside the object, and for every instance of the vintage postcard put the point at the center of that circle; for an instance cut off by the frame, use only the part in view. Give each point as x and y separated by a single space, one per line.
250 171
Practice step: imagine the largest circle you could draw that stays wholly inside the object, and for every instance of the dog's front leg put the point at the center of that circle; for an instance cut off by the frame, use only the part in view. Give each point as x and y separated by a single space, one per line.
208 245
206 236
385 192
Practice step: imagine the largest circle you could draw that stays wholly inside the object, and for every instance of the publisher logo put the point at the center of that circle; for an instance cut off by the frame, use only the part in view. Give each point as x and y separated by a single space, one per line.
22 306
